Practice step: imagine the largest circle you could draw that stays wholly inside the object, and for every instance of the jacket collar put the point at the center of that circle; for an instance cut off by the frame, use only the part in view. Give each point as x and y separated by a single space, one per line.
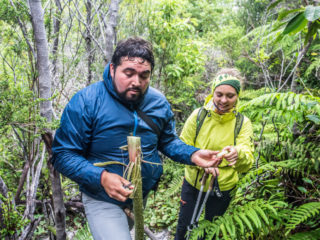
108 82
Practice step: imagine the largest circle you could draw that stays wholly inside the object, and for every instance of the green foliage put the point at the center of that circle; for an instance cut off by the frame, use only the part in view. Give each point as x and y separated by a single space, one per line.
10 14
285 176
12 218
312 13
252 219
178 52
310 235
83 234
289 106
163 206
302 214
299 22
251 13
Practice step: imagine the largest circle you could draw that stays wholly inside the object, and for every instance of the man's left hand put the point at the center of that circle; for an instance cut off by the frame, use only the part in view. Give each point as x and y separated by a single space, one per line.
206 158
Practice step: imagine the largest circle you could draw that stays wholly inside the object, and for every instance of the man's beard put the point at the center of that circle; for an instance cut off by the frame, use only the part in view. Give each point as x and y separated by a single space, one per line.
134 98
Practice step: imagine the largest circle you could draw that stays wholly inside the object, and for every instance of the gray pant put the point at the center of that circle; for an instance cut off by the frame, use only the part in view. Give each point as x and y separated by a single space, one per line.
107 221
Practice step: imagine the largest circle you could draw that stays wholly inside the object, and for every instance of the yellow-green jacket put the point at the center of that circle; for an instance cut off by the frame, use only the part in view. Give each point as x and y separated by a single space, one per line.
217 132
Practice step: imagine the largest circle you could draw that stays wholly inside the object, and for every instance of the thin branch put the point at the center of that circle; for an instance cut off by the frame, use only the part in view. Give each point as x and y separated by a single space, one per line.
87 28
300 57
23 29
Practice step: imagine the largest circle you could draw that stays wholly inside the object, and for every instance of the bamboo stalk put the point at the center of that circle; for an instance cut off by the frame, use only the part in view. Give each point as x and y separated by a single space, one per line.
134 148
147 231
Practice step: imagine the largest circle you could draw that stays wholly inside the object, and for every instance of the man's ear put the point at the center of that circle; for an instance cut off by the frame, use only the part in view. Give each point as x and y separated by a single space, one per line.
111 70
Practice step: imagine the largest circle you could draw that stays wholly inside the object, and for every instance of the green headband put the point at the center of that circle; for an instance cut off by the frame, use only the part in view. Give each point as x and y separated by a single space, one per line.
226 79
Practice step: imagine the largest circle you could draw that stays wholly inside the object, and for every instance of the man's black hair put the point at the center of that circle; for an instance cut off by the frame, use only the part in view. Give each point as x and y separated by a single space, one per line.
133 47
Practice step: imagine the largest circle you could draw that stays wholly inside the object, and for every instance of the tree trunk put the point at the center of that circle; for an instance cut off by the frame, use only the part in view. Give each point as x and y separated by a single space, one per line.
111 36
56 29
58 204
89 41
46 108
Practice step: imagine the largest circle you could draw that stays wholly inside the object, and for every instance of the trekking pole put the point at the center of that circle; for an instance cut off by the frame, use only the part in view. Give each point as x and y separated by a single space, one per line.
213 179
203 182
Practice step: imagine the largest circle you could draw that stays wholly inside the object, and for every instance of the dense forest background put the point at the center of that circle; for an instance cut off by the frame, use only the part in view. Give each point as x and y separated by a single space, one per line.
51 49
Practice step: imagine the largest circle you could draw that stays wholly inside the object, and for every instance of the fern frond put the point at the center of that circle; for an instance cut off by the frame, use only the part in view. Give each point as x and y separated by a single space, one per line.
271 168
302 214
311 235
175 186
239 221
289 105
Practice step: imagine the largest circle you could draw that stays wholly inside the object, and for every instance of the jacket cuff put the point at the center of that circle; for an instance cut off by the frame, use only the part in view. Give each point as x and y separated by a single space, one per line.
97 172
193 151
241 154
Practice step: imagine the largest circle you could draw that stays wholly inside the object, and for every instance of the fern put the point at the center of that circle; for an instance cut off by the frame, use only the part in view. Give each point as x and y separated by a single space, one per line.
315 65
252 94
287 106
240 221
289 166
302 214
312 235
175 186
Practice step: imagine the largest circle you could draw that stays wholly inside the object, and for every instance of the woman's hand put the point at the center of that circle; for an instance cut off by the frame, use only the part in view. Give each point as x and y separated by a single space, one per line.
232 156
214 171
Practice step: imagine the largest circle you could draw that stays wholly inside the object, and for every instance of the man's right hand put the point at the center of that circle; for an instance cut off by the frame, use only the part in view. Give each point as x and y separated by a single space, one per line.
114 184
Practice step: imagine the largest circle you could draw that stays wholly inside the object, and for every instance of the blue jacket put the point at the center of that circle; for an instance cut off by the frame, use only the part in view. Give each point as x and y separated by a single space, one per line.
96 122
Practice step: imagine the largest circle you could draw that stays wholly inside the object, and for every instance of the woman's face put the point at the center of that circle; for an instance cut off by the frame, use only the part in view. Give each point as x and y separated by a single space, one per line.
225 98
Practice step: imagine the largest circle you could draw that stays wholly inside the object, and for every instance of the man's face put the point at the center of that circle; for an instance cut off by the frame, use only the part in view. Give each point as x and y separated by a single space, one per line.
131 78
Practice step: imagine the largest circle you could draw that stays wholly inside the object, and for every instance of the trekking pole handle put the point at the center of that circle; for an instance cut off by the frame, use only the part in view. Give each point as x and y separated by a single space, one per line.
211 183
204 178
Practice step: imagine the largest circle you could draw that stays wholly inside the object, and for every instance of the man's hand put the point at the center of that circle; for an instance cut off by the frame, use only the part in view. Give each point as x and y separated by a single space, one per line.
232 156
206 158
115 186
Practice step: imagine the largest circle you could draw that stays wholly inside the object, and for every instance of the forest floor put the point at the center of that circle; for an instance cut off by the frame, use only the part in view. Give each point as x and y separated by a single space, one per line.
163 235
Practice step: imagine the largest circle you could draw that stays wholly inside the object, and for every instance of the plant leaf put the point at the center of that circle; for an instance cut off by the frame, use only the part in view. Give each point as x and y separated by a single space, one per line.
274 4
285 13
302 189
314 118
312 13
296 23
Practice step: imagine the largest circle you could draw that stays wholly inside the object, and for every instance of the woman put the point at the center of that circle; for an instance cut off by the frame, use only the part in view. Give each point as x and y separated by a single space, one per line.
217 133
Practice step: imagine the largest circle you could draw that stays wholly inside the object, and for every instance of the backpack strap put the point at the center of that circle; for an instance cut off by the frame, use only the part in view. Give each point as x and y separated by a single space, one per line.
200 119
149 121
238 126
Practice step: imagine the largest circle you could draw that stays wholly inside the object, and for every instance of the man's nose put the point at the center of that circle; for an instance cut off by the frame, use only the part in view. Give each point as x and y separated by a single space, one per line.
136 81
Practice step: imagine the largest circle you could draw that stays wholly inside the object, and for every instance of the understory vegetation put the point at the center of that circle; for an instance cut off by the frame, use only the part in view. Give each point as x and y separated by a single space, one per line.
275 45
279 197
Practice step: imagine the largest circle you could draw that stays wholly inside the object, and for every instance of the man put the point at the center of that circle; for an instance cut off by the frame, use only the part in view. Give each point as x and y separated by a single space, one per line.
97 121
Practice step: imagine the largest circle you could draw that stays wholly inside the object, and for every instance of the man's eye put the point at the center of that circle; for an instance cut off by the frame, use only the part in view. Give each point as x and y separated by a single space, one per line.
145 76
